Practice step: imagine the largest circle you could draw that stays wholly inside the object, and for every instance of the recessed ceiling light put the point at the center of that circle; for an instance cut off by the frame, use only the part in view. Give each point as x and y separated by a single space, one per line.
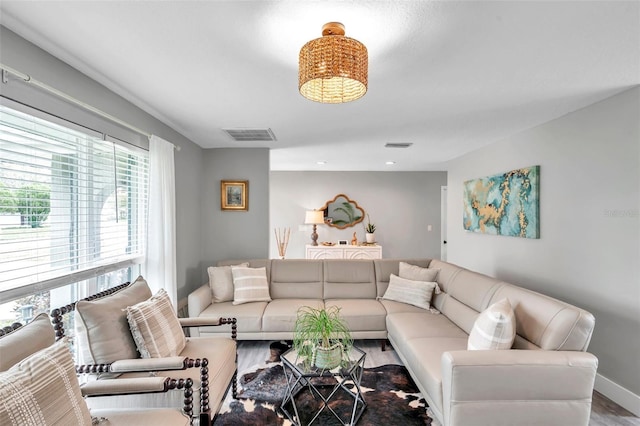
321 163
390 163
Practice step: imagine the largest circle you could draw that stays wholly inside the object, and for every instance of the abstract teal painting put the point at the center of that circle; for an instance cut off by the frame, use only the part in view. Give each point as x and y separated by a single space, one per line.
504 204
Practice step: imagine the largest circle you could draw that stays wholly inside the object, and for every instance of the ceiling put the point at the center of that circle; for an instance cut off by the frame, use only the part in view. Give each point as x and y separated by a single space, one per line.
447 76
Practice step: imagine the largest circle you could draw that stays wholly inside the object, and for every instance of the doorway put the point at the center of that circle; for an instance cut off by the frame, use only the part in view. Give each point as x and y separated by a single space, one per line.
443 223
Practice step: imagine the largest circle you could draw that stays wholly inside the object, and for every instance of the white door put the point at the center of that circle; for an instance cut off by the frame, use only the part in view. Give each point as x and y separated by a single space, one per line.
443 223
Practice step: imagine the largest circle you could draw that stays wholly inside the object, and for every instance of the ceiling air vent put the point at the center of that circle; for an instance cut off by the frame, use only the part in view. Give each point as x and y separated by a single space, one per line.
398 145
251 135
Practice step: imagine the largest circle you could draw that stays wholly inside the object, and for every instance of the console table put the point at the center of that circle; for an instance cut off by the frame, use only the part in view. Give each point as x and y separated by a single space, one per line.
343 252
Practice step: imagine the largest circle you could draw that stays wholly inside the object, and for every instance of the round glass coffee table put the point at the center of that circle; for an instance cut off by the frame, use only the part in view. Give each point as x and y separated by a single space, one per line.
312 391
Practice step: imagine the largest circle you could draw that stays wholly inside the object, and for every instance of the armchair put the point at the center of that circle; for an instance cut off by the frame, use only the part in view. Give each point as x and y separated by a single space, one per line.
39 385
107 348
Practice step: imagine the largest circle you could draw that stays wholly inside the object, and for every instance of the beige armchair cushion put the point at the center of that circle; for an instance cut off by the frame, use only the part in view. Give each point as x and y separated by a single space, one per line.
115 417
155 327
43 390
102 330
221 282
26 340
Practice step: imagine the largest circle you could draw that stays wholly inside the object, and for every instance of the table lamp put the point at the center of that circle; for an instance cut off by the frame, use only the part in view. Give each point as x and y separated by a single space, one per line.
314 217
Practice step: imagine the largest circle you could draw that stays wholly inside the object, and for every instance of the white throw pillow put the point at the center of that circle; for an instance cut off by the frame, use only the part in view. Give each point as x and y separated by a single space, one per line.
221 282
417 273
43 390
155 327
416 293
495 328
250 285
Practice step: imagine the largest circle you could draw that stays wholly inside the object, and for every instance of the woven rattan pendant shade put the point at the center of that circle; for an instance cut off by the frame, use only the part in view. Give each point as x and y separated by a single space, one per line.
333 68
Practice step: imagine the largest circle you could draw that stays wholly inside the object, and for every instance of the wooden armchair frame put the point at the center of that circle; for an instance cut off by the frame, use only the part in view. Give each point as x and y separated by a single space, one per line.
143 387
57 318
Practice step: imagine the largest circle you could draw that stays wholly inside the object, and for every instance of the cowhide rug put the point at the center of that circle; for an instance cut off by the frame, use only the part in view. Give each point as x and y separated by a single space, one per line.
391 395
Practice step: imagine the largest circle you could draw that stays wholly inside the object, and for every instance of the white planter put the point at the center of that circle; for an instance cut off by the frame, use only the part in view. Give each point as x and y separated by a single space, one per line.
371 238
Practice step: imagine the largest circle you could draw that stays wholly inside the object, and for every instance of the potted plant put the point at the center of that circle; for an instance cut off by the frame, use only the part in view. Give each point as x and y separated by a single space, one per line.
321 336
370 230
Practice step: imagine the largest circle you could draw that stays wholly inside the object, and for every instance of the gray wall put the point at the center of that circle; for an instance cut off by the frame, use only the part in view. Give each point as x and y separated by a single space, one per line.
589 249
18 53
401 204
234 234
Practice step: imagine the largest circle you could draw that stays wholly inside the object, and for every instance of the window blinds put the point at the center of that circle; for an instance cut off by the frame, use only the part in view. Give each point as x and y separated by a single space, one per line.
72 205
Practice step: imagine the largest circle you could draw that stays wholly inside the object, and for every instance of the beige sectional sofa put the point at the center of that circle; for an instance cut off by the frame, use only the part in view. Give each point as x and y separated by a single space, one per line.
547 377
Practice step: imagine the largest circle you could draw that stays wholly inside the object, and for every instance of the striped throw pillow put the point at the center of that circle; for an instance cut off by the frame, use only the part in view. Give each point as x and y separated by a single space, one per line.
495 328
43 389
250 285
416 293
155 327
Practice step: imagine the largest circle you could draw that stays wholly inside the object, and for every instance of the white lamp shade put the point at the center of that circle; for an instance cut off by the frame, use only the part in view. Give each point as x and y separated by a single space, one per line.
314 217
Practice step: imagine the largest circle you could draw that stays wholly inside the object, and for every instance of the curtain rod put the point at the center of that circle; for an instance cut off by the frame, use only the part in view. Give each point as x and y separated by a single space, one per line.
28 79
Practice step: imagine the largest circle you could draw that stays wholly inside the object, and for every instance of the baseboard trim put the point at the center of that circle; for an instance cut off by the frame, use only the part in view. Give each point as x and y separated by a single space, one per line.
618 394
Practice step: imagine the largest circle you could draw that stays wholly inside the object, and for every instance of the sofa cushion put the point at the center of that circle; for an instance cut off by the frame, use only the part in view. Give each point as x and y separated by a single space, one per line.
393 307
417 293
26 340
221 282
249 316
349 279
360 314
548 323
43 389
280 314
423 360
250 285
102 330
411 325
494 328
155 327
296 279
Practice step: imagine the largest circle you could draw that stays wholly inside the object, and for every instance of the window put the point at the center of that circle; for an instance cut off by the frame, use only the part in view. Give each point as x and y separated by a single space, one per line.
72 207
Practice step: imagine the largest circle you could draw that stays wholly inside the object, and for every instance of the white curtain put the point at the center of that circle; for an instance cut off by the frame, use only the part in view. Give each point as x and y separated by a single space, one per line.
160 265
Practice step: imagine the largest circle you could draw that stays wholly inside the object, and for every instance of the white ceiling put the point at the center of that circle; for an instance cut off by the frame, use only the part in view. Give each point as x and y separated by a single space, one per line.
447 76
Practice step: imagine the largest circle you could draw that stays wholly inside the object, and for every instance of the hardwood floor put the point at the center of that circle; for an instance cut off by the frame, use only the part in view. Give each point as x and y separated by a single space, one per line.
604 412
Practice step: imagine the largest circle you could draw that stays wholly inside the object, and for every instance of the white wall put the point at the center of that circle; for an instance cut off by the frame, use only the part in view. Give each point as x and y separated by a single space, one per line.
401 204
589 250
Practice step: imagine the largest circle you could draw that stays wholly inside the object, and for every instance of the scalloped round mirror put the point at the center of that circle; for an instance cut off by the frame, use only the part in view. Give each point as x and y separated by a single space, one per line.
341 212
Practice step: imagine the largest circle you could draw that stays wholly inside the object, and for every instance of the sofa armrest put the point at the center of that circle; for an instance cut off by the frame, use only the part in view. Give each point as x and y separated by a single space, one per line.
503 387
198 301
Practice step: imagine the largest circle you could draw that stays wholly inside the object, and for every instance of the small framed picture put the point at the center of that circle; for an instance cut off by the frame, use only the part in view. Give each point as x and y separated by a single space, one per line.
343 242
234 195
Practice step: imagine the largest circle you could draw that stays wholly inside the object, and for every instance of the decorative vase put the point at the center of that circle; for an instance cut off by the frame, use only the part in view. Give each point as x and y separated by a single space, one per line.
328 358
371 238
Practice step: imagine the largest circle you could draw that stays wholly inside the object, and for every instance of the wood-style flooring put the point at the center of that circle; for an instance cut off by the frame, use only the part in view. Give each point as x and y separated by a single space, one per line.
604 412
